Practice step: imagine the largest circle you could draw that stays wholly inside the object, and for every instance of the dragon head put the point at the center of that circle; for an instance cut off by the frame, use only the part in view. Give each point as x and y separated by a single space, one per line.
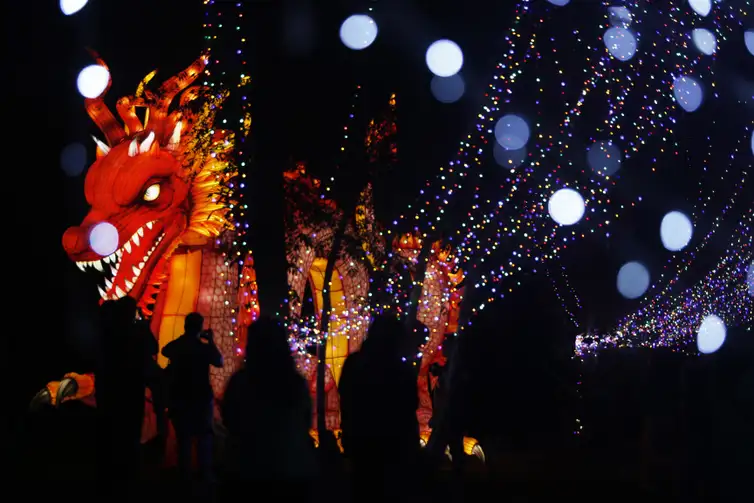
161 183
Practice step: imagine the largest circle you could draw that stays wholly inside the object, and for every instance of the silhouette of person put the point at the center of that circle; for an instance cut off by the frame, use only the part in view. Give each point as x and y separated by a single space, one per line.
378 400
267 410
153 375
191 398
120 385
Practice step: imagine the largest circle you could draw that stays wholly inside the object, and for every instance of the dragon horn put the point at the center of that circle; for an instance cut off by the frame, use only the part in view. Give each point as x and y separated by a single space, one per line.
127 111
142 85
100 114
147 143
133 148
102 148
175 137
171 87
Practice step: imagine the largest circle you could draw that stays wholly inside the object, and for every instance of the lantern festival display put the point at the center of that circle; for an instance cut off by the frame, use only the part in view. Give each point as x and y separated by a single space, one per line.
161 230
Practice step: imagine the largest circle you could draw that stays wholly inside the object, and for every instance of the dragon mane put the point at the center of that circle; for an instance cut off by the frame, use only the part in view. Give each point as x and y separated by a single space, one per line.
187 132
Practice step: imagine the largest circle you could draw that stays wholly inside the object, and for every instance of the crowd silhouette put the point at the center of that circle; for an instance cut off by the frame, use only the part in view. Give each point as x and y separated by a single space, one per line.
669 413
266 410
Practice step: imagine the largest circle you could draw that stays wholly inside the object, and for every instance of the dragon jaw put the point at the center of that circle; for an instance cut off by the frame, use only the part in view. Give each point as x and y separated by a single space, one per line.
127 270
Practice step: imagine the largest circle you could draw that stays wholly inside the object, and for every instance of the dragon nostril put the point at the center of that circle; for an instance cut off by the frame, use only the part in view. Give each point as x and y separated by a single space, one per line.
74 240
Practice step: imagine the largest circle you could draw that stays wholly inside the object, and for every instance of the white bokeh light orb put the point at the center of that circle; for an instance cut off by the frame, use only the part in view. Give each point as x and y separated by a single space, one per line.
620 43
688 92
604 158
70 7
711 334
358 32
750 279
749 41
566 207
103 239
701 7
447 89
619 16
559 3
512 132
92 81
676 230
506 158
633 280
444 58
73 159
705 41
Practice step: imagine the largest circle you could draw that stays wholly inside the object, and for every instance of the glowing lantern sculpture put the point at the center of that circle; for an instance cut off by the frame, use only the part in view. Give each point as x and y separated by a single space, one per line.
173 236
165 185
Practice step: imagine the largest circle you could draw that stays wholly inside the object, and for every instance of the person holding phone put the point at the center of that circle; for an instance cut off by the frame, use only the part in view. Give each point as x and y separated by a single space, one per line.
191 400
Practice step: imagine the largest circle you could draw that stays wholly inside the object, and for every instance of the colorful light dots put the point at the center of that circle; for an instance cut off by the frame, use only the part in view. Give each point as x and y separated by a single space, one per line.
749 41
566 207
444 58
701 7
705 41
676 230
620 43
358 32
688 93
448 89
70 7
711 334
92 81
633 280
750 279
104 239
604 158
512 132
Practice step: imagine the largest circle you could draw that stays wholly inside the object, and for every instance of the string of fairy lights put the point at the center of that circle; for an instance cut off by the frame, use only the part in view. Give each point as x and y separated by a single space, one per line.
543 193
618 80
525 173
572 314
223 26
688 255
645 121
673 321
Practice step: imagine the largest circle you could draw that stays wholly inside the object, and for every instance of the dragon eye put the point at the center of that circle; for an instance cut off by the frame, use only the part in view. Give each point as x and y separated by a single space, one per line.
152 192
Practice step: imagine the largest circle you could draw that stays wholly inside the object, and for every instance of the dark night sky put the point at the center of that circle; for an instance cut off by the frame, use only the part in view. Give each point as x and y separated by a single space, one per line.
301 99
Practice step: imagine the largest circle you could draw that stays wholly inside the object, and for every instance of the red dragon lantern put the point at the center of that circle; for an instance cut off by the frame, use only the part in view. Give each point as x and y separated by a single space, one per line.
162 182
